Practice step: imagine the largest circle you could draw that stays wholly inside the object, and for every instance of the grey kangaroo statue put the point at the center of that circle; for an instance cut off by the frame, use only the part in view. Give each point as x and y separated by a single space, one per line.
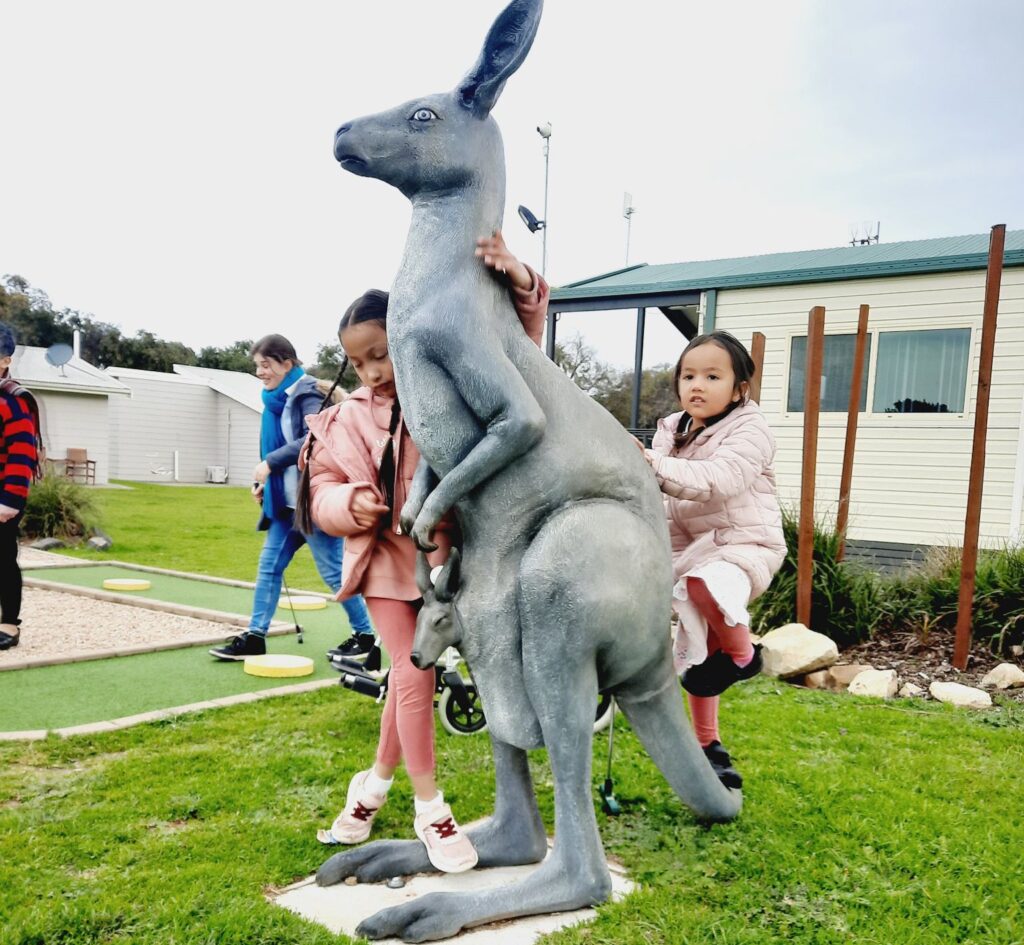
565 577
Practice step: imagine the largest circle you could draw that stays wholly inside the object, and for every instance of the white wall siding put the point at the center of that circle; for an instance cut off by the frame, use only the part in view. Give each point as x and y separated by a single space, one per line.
77 421
910 471
241 432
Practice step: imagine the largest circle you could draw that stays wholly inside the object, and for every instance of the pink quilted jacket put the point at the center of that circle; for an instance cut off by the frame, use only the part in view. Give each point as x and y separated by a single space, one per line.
720 495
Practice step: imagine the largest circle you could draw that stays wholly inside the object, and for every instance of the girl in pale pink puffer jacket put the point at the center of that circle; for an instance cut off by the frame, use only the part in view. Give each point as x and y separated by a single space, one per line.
713 462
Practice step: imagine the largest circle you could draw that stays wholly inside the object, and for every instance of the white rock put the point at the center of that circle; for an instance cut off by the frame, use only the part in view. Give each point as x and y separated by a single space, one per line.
956 694
880 683
793 650
1004 676
911 691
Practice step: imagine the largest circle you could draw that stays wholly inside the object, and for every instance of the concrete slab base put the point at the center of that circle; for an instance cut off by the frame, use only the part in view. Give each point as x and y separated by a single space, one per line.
341 908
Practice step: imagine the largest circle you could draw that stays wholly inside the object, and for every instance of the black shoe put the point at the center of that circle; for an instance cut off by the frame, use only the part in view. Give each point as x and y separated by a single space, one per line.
238 648
8 642
357 647
718 672
721 763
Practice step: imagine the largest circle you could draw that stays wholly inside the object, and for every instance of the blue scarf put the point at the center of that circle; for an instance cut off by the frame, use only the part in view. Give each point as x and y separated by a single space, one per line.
272 438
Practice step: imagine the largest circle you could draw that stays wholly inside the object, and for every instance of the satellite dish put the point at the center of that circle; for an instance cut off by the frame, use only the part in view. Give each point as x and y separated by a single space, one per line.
530 219
59 354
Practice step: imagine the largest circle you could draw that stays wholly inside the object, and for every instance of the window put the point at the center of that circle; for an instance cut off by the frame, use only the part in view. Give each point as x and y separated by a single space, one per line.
837 373
922 371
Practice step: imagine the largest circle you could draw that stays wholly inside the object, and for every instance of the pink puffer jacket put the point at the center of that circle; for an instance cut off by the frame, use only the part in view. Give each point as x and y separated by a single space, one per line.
720 495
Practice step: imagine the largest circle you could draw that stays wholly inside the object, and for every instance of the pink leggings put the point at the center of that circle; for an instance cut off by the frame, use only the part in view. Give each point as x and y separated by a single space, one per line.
407 725
734 640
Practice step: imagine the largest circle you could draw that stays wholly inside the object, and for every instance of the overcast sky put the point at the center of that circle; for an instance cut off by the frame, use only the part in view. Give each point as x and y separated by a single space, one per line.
168 166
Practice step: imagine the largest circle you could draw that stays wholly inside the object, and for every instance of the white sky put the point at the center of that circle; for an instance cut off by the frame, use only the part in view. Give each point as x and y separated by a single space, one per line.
168 166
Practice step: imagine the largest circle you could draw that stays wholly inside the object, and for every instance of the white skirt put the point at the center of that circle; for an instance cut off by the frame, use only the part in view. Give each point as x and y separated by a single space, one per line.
730 587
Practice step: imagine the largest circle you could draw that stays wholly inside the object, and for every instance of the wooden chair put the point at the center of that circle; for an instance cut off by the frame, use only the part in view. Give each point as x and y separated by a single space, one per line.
78 463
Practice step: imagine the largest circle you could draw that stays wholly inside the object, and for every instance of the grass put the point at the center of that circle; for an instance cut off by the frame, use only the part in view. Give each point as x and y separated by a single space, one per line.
864 822
204 529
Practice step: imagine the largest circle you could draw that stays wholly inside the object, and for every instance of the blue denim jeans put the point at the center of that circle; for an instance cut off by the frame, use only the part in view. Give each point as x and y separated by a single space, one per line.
282 541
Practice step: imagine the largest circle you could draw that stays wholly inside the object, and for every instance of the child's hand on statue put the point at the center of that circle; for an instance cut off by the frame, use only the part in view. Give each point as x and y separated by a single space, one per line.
497 256
366 508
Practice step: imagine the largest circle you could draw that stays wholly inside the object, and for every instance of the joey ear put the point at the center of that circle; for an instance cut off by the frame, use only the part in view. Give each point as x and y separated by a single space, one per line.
505 48
423 573
448 580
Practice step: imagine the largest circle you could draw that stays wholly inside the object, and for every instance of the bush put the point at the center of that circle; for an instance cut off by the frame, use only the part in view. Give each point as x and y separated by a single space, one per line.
59 508
844 598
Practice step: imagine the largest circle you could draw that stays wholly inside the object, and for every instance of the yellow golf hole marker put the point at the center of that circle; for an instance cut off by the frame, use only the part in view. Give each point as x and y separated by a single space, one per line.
126 584
278 665
300 602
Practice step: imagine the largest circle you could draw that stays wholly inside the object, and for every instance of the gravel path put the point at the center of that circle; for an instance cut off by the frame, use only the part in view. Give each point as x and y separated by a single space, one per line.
56 624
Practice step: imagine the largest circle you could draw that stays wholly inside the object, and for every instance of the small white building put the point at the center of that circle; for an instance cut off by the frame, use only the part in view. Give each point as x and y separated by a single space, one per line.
76 401
918 398
196 425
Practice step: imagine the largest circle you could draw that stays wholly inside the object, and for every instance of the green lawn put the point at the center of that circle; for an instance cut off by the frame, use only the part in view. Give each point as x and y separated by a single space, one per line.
204 529
867 823
864 823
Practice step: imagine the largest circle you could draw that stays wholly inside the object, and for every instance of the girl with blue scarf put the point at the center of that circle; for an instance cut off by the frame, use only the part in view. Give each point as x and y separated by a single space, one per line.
289 394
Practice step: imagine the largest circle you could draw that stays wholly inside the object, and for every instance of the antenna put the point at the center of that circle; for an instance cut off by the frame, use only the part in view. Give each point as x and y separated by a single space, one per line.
861 233
627 211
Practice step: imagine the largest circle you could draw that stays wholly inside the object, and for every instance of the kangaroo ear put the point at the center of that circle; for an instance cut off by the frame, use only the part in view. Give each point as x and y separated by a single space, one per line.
448 580
423 581
505 48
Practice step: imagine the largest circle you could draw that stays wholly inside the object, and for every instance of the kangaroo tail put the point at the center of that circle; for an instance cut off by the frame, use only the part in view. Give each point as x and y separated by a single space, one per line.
660 722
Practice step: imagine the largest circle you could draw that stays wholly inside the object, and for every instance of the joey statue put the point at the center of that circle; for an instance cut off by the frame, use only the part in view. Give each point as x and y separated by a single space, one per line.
564 583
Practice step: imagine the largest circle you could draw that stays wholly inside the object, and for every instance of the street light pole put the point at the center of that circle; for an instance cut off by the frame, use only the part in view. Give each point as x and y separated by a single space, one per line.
545 132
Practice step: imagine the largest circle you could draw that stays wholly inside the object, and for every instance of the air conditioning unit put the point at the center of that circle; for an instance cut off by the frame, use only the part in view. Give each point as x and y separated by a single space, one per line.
216 474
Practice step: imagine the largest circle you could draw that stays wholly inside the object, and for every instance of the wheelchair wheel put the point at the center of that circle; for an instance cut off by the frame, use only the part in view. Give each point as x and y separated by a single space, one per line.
458 720
605 711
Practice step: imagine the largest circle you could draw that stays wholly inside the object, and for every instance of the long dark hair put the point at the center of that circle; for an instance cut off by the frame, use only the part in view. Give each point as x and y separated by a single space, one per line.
371 306
743 368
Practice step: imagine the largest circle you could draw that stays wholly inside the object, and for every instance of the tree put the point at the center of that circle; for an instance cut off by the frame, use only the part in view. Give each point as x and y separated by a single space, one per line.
234 357
579 361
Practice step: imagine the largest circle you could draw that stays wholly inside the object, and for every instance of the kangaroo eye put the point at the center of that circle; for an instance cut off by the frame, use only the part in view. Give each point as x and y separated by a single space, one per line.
423 114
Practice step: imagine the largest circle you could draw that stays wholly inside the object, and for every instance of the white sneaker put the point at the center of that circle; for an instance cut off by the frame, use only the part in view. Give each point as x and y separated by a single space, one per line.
354 823
448 848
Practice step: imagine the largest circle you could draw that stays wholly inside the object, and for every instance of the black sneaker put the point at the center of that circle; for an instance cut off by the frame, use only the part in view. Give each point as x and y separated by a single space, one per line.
7 641
718 672
357 647
238 648
721 763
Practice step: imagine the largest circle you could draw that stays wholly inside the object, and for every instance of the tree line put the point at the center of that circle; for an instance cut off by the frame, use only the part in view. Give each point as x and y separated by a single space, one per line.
29 312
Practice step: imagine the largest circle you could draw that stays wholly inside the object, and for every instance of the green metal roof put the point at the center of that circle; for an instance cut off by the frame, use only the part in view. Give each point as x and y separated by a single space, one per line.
911 257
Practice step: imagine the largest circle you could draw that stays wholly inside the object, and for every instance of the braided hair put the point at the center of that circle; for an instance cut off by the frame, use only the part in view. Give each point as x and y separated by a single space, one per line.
371 306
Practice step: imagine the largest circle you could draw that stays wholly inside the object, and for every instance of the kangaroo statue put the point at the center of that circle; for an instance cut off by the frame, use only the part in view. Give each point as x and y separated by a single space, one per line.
565 580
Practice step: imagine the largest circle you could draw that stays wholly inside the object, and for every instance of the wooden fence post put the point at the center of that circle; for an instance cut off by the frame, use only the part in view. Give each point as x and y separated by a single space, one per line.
812 407
972 523
757 356
852 414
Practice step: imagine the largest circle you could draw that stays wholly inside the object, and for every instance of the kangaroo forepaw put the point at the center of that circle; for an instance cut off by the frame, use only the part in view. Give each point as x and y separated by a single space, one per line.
376 862
422 531
430 917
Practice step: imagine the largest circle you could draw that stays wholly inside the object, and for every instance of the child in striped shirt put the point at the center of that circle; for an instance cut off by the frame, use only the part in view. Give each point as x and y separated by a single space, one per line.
17 467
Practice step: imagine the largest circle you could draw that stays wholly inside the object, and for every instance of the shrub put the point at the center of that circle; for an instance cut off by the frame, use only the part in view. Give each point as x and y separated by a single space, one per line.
59 508
844 597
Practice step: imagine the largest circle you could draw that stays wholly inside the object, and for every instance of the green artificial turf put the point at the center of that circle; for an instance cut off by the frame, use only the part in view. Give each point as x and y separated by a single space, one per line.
867 823
98 690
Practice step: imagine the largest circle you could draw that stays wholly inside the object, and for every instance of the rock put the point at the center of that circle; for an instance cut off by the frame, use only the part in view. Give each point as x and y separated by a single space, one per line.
957 694
793 650
1004 676
1017 650
911 691
879 683
99 543
817 680
45 544
842 674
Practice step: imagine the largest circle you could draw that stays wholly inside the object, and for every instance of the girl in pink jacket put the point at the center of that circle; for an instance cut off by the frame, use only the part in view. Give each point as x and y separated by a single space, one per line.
713 462
359 464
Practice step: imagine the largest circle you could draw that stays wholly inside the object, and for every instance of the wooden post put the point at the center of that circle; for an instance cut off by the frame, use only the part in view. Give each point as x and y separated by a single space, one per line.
972 524
812 407
852 414
757 355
